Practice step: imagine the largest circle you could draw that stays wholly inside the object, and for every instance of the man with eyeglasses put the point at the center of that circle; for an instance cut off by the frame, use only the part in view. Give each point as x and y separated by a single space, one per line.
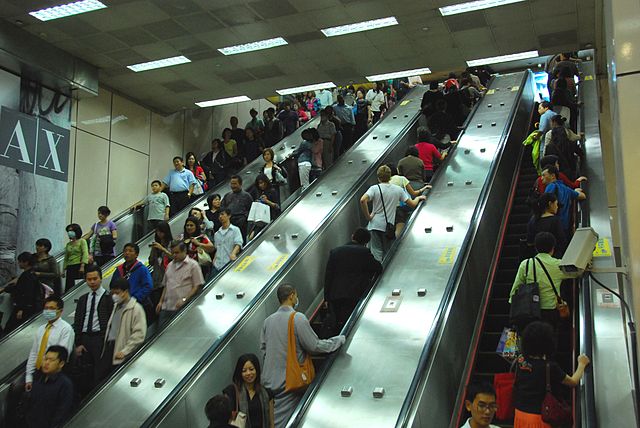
481 403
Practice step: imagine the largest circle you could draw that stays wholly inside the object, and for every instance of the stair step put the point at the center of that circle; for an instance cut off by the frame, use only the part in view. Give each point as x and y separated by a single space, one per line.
490 362
501 289
506 275
496 322
499 305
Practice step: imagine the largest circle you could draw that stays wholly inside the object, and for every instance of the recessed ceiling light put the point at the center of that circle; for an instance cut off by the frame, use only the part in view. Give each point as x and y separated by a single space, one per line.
298 89
360 26
502 58
254 46
221 101
68 9
474 5
166 62
398 74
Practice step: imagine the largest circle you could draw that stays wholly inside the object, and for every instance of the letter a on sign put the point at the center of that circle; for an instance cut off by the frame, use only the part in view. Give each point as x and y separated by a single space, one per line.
16 146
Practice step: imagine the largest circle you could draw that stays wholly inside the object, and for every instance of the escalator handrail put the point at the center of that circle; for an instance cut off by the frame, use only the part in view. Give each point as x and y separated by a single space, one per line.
456 271
222 340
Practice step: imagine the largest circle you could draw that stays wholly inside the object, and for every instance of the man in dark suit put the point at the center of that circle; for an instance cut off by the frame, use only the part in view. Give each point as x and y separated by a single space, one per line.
349 274
90 324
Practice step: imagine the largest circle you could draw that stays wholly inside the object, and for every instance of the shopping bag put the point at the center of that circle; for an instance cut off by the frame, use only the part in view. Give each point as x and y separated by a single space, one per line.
508 346
503 385
259 212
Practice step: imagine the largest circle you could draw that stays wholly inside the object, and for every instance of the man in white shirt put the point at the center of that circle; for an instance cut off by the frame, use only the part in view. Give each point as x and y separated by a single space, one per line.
384 197
481 403
325 97
376 100
55 332
228 242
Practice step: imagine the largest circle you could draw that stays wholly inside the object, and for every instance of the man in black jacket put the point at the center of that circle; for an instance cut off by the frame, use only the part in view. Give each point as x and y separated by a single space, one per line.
349 274
90 324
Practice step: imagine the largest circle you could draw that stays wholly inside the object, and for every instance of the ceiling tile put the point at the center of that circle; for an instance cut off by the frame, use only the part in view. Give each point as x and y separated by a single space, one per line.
134 36
74 26
155 51
562 38
306 5
512 38
466 21
256 31
474 38
198 22
102 42
219 38
167 29
544 8
268 9
126 57
235 77
509 14
305 37
555 24
175 8
179 86
236 15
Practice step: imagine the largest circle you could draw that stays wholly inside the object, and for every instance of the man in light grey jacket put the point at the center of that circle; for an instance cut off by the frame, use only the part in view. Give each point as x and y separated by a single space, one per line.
273 346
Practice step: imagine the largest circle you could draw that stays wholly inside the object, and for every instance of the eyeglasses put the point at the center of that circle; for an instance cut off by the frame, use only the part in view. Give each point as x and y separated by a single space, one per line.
483 407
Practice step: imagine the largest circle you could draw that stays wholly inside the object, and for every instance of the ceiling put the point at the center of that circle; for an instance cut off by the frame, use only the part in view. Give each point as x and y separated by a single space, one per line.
134 31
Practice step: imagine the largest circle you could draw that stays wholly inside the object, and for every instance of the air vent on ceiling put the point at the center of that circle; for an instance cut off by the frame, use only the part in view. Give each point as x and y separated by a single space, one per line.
264 71
235 77
562 38
179 86
466 21
305 37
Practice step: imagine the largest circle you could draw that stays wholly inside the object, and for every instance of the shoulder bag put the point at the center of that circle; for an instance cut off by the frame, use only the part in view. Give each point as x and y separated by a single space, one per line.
298 375
554 411
525 304
204 258
390 229
238 418
562 306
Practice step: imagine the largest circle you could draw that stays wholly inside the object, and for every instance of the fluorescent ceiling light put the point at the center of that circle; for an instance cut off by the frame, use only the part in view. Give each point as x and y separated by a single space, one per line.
502 58
166 62
360 26
222 101
254 46
474 5
68 9
298 89
398 74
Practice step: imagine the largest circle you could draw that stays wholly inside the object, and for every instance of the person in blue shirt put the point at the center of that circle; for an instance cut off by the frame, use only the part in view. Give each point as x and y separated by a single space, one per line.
544 126
138 275
180 182
564 193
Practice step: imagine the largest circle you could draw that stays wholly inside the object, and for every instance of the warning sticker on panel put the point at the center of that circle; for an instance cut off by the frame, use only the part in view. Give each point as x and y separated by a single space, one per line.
448 256
588 77
603 249
607 299
491 91
278 263
244 263
515 88
405 102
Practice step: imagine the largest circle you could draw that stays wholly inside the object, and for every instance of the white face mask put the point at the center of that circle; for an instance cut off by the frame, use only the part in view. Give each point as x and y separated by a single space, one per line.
49 314
295 305
116 298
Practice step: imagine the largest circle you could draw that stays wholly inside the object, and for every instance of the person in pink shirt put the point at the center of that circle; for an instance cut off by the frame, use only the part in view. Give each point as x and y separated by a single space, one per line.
427 152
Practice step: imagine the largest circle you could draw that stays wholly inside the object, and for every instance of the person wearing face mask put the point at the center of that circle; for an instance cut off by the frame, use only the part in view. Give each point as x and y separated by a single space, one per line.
274 340
139 277
55 332
90 324
127 326
76 256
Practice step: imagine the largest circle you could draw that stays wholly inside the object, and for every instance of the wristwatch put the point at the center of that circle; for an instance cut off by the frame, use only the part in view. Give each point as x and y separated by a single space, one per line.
184 300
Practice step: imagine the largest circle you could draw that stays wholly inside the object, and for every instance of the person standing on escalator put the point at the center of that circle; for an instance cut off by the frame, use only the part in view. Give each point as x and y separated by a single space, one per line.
181 183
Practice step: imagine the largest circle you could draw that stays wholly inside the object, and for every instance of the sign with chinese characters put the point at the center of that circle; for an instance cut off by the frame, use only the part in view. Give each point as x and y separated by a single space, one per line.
32 144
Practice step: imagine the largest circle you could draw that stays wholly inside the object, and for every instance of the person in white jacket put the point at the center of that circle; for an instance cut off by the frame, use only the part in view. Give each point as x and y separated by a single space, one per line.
127 326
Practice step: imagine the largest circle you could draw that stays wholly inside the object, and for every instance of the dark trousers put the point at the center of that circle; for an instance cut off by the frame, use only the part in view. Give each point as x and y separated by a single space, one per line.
428 175
99 365
376 117
102 260
347 137
361 128
240 221
178 201
71 275
343 308
14 322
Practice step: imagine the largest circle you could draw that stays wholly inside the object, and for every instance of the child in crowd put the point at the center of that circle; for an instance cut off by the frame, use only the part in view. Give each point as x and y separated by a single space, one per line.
157 203
102 238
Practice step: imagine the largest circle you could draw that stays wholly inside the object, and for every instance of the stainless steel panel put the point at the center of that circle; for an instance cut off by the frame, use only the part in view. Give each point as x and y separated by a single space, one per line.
232 325
14 349
384 348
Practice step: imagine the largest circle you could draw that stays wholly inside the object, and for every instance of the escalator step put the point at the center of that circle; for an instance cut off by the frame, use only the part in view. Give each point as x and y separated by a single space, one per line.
520 217
496 322
517 228
490 362
499 305
489 341
501 290
506 275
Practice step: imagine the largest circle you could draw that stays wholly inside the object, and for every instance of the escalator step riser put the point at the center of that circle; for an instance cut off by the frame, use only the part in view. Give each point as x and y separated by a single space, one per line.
490 362
496 322
499 306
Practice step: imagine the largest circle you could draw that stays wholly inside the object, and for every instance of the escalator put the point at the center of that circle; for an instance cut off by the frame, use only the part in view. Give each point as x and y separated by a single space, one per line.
435 278
224 320
15 347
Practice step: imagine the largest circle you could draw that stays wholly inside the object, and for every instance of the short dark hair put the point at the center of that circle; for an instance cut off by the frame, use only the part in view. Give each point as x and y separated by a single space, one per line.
63 354
269 150
424 134
284 291
263 177
545 242
119 284
362 236
542 203
210 198
75 227
545 104
227 211
225 130
104 210
57 299
433 84
548 160
252 111
157 181
479 388
178 158
27 257
452 75
412 151
180 244
44 242
133 246
236 177
242 360
551 169
558 119
538 339
218 410
92 268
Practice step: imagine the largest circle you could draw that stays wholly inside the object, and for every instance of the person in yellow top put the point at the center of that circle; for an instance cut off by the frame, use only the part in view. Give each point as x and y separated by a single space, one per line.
545 244
76 256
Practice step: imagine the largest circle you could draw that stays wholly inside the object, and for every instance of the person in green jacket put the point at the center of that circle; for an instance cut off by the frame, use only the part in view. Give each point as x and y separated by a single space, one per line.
76 256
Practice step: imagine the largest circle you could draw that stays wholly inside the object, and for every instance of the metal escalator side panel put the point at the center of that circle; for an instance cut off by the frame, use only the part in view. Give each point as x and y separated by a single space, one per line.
211 322
14 350
385 347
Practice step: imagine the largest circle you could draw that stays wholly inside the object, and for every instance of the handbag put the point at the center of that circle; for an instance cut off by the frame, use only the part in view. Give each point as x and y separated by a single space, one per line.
238 418
298 375
259 212
503 385
554 411
508 346
525 304
390 229
204 259
562 306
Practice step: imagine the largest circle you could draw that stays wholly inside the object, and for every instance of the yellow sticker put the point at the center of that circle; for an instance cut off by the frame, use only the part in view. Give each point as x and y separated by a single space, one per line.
244 263
278 263
109 272
405 102
603 249
491 91
448 256
588 77
515 88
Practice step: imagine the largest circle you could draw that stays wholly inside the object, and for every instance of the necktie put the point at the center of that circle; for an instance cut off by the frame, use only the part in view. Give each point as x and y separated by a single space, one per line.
91 311
43 345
